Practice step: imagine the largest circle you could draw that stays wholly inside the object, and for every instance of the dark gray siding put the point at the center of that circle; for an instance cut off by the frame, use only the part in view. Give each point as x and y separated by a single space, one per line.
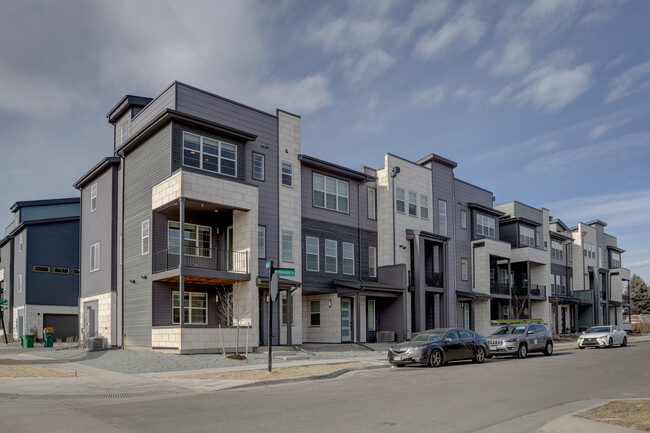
146 166
528 212
5 263
55 244
218 222
162 303
392 274
508 233
20 267
33 213
164 101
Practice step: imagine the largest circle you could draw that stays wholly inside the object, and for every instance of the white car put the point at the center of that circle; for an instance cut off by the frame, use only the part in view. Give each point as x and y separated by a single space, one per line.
602 336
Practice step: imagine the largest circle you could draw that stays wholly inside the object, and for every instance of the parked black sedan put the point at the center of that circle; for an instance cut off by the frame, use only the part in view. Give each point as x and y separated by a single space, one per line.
435 347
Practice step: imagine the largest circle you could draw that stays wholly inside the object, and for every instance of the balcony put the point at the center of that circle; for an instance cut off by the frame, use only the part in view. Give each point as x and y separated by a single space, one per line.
538 290
214 259
584 295
499 288
434 279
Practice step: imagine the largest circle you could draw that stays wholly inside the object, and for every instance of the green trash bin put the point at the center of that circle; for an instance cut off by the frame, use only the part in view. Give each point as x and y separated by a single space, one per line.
28 341
48 340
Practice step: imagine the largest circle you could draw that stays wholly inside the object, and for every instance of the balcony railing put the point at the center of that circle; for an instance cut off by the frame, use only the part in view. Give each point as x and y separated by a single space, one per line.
202 258
499 288
537 290
585 295
520 290
434 279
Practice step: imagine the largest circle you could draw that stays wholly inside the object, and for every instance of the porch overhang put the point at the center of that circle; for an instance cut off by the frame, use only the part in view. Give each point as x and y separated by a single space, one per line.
345 288
471 296
201 276
283 283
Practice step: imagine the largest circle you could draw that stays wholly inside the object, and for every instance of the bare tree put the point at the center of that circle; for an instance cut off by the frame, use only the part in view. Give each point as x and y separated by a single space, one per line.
234 310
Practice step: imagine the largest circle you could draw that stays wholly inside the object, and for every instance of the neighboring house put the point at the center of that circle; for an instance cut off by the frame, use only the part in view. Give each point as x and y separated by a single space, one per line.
566 305
40 267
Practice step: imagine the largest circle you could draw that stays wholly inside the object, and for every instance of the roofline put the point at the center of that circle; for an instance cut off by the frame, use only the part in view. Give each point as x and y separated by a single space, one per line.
24 224
437 158
98 169
474 186
31 203
520 219
486 209
357 175
617 249
405 160
560 236
131 100
597 221
523 204
559 221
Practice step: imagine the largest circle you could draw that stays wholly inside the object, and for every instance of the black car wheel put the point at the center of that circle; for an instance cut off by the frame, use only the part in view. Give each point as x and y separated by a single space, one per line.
548 350
435 359
522 352
624 343
480 355
610 344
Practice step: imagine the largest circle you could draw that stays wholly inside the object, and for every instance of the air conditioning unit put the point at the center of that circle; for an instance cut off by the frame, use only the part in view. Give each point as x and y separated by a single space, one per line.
96 343
385 337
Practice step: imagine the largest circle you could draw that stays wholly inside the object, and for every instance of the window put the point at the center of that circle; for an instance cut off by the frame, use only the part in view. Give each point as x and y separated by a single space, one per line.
258 166
400 204
424 207
314 313
261 242
569 252
124 133
463 219
600 257
94 257
20 283
372 203
330 193
93 197
145 237
287 174
209 154
372 262
20 243
442 217
41 268
485 226
463 270
526 236
311 251
556 250
413 204
198 239
491 274
563 282
196 308
330 256
75 271
616 260
371 315
62 271
348 258
287 246
284 309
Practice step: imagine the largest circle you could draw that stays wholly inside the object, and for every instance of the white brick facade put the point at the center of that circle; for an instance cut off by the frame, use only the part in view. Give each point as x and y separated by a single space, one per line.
106 316
33 317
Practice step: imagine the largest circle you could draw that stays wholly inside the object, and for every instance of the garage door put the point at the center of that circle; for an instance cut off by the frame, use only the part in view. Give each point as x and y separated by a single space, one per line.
65 325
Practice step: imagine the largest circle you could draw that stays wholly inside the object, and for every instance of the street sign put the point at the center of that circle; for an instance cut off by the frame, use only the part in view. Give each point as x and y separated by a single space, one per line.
273 287
285 272
269 264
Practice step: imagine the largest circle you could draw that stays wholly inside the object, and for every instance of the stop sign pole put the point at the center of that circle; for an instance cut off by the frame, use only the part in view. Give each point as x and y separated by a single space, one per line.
273 294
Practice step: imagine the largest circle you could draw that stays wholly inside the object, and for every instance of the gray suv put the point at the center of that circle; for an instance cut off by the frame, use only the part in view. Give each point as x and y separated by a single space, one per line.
520 339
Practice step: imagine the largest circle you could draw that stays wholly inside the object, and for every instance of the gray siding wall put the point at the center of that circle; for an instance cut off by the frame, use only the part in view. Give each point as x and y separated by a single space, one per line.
33 213
159 228
392 274
162 303
146 166
5 263
20 267
528 212
98 227
164 101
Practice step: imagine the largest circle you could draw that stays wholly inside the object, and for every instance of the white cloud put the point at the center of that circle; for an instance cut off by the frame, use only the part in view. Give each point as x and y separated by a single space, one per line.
631 81
615 62
367 66
463 31
514 58
551 89
428 97
546 146
602 129
305 96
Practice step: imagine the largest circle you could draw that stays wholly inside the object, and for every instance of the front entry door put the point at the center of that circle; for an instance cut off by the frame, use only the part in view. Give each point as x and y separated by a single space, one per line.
346 320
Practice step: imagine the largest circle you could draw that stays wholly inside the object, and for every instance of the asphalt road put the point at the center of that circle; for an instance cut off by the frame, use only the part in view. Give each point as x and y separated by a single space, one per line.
499 395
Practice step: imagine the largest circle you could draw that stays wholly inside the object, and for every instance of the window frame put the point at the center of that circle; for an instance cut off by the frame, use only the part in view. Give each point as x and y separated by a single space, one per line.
312 253
145 237
371 325
399 200
424 207
93 197
261 250
95 250
463 220
335 256
284 309
218 144
20 283
189 307
20 242
286 175
314 314
413 204
197 246
523 237
485 229
337 194
372 203
372 262
348 259
464 269
256 155
287 255
442 217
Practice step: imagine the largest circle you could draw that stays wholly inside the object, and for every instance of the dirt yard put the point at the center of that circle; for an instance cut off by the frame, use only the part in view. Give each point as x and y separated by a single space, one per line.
634 414
277 373
12 368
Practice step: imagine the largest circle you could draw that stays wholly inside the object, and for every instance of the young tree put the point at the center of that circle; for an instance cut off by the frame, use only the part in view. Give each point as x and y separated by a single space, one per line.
234 311
640 295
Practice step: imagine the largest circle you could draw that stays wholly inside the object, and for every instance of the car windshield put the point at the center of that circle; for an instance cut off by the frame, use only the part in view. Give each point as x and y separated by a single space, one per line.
598 329
429 337
504 330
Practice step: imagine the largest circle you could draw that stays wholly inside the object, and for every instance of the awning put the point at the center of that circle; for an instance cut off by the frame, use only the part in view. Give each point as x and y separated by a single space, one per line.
283 283
367 288
471 296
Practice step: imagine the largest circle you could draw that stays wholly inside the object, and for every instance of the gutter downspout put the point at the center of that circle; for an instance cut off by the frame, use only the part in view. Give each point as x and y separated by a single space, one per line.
81 311
121 261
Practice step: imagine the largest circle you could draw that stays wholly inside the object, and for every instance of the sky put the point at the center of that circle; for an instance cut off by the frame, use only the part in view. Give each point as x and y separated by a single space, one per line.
546 102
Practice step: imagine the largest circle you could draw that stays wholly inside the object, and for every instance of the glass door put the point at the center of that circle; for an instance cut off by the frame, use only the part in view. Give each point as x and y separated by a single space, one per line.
346 320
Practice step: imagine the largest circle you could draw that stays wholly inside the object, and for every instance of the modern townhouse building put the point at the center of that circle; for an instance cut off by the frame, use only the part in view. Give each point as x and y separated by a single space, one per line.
39 267
566 305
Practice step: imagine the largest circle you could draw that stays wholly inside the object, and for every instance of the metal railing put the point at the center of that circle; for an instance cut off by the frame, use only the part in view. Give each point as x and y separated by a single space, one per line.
434 279
585 295
499 288
537 290
202 258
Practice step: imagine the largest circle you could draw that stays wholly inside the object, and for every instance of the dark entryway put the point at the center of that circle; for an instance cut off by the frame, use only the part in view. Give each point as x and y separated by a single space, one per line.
65 325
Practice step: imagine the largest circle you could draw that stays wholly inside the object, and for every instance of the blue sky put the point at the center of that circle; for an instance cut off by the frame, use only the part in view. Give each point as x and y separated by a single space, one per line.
545 102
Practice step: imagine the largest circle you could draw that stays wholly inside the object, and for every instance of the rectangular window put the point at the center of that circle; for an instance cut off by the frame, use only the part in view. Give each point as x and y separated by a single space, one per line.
20 243
563 282
413 204
75 271
20 283
314 313
600 257
330 193
311 252
331 256
372 262
372 203
371 315
526 236
41 268
261 242
287 246
556 250
491 274
442 217
62 271
424 207
485 226
616 260
463 219
284 309
258 166
94 257
196 308
569 252
93 197
400 203
145 237
348 258
209 154
464 270
287 174
198 239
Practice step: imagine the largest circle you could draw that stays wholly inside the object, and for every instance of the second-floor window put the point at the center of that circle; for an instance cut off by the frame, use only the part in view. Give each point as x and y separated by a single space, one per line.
258 166
556 250
93 197
400 200
94 257
372 262
485 226
311 253
348 258
331 260
463 219
526 236
600 257
198 239
287 174
330 193
261 242
442 217
424 207
372 203
287 246
145 237
464 271
413 204
209 154
616 260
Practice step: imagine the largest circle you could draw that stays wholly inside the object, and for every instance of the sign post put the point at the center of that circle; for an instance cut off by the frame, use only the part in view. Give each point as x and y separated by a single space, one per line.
3 304
274 288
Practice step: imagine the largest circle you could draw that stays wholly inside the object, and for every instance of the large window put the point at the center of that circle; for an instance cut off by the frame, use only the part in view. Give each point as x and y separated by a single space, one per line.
372 203
198 239
556 250
413 204
209 154
424 207
145 237
314 313
311 251
287 174
348 258
93 197
372 262
261 242
485 226
258 166
94 257
400 203
196 308
371 315
526 236
616 260
442 217
331 256
330 193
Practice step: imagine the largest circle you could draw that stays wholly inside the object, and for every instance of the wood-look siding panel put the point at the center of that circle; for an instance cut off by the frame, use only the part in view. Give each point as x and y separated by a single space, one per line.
162 302
164 101
530 213
33 213
5 265
146 166
20 267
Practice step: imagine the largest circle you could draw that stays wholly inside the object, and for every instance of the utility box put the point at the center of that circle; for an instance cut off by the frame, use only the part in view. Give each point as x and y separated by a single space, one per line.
96 343
385 337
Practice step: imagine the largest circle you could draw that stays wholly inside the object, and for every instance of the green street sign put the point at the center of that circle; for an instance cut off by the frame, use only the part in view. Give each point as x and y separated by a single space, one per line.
269 264
4 301
285 272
